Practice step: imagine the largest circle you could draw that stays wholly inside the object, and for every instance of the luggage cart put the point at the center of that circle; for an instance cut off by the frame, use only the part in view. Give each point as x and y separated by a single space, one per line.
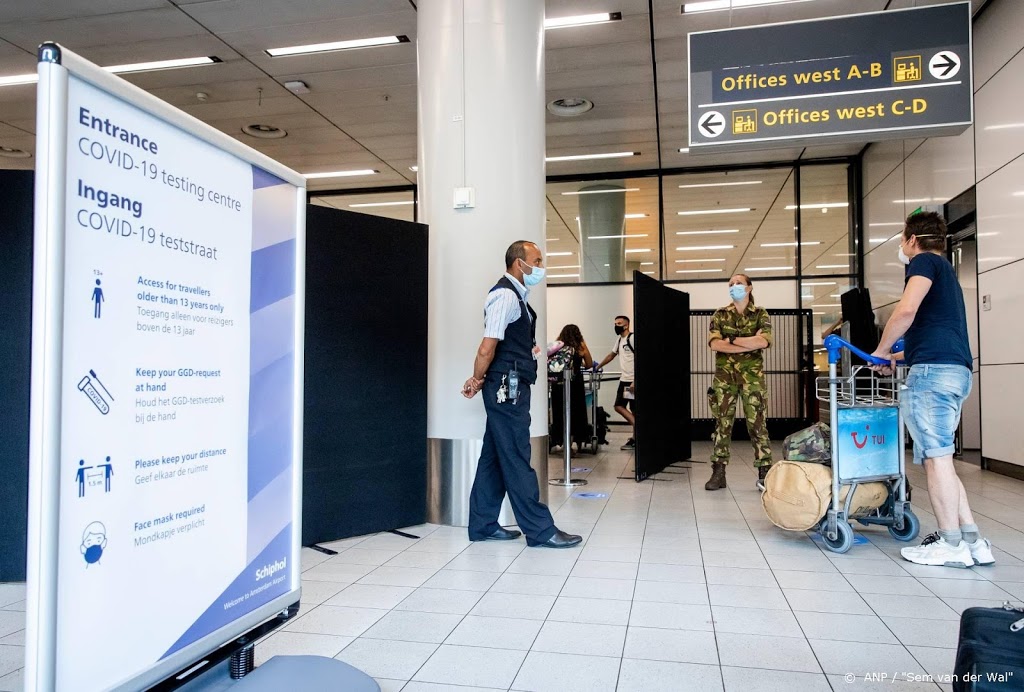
867 446
592 385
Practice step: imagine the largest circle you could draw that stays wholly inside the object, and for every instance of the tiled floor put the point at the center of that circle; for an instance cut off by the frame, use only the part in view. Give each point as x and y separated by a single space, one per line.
675 588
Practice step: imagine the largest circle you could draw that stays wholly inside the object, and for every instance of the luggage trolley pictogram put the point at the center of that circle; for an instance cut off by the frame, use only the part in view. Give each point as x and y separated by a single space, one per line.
867 446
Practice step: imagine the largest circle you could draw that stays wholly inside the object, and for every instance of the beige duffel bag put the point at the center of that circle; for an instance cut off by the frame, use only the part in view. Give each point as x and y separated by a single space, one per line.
798 494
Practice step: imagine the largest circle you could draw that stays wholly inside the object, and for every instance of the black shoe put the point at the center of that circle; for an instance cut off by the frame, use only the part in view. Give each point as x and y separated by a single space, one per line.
501 535
762 473
629 446
561 539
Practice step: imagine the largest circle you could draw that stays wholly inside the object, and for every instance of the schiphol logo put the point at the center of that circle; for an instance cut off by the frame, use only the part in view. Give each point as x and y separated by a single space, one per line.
268 571
878 440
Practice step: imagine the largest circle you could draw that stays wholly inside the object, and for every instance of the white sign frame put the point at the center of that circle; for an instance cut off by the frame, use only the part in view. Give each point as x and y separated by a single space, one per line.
56 63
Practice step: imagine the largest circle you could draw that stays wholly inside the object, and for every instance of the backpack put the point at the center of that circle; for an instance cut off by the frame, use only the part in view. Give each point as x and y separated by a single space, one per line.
810 444
602 426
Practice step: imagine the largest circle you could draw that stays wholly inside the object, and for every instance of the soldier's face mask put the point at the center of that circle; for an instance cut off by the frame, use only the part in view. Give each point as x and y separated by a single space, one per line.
737 292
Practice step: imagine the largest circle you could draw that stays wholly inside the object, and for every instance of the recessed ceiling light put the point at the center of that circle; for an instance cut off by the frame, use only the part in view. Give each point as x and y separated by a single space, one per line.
560 254
581 20
613 237
552 240
152 65
379 204
712 5
698 261
588 157
9 153
648 273
636 216
563 276
630 252
1007 126
920 200
697 248
601 192
684 150
793 244
818 283
341 174
832 266
336 46
879 240
566 266
646 264
892 223
827 305
414 169
570 107
697 271
730 230
261 131
766 269
737 210
741 182
825 205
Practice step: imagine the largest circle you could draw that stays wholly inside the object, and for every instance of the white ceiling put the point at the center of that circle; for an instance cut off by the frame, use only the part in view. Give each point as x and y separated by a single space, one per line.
362 109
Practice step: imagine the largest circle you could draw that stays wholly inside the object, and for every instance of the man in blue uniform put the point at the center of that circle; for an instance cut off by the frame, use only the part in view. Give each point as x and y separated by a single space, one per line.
504 369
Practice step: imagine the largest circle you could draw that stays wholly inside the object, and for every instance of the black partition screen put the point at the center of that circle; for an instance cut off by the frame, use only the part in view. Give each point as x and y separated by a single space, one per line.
662 375
788 367
365 450
15 354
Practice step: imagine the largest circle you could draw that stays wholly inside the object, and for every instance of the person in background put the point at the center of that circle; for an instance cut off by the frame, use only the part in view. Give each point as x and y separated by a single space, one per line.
932 319
504 368
572 339
738 335
625 396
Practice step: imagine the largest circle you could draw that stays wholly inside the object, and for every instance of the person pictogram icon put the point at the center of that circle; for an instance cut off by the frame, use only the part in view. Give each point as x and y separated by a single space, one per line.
98 299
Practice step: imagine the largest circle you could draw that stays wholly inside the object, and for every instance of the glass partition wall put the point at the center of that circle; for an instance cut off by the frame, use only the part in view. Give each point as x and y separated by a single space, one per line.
792 222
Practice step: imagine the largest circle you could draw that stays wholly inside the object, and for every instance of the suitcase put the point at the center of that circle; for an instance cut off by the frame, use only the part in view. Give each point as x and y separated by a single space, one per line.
990 654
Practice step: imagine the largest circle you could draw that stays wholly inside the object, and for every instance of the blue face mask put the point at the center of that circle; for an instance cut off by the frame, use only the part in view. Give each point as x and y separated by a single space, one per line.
737 292
535 276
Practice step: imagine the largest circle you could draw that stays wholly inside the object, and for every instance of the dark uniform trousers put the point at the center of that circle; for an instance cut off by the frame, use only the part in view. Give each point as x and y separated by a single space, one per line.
505 468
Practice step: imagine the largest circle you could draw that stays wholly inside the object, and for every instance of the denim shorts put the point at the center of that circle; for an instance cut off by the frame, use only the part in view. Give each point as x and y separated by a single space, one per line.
930 403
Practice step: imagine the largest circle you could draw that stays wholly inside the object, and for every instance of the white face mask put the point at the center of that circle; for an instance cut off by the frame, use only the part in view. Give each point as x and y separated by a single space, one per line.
903 256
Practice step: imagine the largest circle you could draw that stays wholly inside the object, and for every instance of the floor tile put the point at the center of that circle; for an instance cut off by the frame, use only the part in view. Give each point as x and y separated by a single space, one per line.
369 596
495 633
584 639
529 584
671 616
546 565
16 638
779 623
415 686
398 576
666 676
672 556
760 680
552 672
364 556
317 592
770 597
878 568
858 682
387 659
956 588
11 593
682 646
924 607
804 563
514 606
939 663
593 554
12 658
745 560
897 586
585 587
11 621
410 626
422 560
684 574
450 601
337 572
827 602
671 592
462 580
605 570
336 620
919 632
959 605
597 611
740 577
466 665
481 563
841 658
285 643
760 651
814 581
846 628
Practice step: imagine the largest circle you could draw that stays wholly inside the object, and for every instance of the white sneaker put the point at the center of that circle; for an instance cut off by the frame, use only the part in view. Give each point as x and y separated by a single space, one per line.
981 551
937 552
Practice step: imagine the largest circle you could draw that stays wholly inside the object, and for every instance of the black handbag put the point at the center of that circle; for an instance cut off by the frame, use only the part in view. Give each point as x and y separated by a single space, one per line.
990 653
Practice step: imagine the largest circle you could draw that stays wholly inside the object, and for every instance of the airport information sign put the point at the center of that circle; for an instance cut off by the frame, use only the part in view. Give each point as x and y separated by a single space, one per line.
859 78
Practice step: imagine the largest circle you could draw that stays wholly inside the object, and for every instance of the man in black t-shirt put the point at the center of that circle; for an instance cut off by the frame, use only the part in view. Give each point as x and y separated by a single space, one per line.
933 321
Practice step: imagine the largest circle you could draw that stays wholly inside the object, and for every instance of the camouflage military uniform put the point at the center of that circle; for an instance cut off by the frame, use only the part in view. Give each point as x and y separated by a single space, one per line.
740 375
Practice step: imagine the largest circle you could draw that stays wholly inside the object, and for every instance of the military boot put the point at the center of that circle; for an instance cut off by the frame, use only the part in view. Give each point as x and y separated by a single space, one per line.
717 477
762 473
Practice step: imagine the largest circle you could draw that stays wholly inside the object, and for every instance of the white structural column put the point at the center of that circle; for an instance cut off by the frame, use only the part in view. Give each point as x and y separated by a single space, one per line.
481 126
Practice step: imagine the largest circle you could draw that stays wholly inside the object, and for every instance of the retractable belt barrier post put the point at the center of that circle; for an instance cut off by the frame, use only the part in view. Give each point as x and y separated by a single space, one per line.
567 481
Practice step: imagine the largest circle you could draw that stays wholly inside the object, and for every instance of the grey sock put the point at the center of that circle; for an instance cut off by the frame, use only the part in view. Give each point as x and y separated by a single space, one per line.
952 537
970 532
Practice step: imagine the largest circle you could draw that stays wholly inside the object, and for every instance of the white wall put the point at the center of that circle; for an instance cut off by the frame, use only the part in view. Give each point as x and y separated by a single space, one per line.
900 176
